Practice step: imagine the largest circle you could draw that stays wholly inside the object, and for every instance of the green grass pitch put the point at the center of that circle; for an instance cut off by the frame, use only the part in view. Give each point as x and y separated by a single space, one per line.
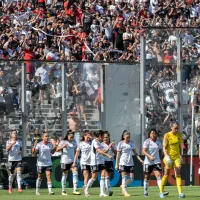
191 192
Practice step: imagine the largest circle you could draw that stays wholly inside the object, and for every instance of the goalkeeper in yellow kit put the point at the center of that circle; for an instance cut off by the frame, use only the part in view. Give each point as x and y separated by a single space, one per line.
173 159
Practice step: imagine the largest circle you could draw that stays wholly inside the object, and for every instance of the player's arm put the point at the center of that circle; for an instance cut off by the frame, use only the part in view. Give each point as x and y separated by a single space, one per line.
76 157
144 151
35 149
61 146
117 160
137 156
180 146
103 153
54 146
165 144
9 146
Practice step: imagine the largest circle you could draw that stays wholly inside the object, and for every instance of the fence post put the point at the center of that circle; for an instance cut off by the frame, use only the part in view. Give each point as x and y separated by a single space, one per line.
142 86
179 82
24 108
64 111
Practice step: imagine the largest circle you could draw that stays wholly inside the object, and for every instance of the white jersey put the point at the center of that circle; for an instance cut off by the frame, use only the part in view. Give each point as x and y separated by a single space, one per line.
109 152
44 157
96 158
13 154
126 151
67 156
152 148
85 149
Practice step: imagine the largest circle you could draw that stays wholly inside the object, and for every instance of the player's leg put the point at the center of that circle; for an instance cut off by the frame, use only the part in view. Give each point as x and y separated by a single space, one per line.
39 179
102 183
107 183
86 175
94 170
19 177
166 175
64 179
11 168
75 180
158 174
49 182
146 183
177 168
164 178
125 170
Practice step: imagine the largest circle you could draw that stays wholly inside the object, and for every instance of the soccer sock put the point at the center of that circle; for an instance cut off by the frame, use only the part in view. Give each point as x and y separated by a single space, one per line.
38 184
49 184
146 185
179 184
63 181
75 180
90 183
19 179
129 180
163 183
159 182
107 183
124 184
10 180
102 185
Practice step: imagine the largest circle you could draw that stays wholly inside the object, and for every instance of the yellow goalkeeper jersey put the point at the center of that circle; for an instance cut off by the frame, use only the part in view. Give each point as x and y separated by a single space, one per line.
173 143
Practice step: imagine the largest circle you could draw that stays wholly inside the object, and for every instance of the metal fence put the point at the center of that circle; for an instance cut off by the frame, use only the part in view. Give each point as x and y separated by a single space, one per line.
57 96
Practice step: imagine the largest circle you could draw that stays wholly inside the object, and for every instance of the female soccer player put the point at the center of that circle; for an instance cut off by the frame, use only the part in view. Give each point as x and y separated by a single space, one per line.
109 148
84 148
97 163
14 148
68 147
173 159
124 160
152 149
44 163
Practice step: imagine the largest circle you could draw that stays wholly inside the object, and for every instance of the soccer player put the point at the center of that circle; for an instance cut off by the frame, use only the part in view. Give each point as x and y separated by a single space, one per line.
44 162
152 149
84 148
124 160
14 148
68 147
109 148
173 159
97 163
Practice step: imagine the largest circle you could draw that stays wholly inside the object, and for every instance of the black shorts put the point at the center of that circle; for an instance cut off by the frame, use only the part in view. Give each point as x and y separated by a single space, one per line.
151 168
43 169
12 165
127 169
97 168
66 166
85 167
109 166
198 147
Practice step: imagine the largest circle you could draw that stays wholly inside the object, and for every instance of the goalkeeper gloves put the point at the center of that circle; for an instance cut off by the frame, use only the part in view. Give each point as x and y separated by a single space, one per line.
168 160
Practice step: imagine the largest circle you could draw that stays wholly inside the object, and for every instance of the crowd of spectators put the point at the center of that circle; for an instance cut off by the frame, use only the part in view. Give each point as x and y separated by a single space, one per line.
85 30
96 30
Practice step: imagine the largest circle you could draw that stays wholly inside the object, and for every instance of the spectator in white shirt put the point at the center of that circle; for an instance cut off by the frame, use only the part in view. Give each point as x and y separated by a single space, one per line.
43 72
